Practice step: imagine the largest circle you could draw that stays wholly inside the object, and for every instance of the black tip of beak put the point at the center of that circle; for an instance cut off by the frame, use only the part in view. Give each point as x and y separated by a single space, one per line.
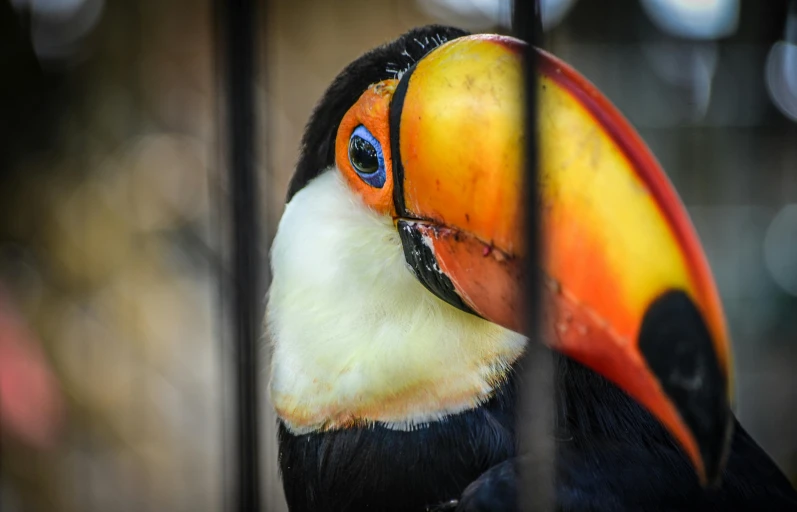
677 347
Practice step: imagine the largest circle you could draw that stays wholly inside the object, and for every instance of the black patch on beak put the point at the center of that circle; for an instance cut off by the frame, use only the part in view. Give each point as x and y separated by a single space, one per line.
677 347
396 107
424 265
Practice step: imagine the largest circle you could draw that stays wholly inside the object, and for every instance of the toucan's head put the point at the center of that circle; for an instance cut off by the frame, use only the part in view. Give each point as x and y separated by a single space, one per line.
398 262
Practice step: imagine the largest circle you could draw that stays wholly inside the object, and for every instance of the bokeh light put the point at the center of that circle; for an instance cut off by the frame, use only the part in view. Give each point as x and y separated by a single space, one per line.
694 19
781 77
780 248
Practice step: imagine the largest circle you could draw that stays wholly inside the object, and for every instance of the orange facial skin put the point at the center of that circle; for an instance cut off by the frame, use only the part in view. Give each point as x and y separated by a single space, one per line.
372 111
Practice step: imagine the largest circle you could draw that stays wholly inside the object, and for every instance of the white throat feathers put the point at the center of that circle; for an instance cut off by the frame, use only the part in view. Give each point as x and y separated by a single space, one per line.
356 339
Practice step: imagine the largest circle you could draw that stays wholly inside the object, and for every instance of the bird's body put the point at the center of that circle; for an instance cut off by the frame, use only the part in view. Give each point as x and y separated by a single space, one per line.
611 455
378 468
614 455
395 306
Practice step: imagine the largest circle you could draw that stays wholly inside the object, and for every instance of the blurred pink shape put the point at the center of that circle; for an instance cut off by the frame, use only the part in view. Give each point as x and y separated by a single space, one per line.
31 409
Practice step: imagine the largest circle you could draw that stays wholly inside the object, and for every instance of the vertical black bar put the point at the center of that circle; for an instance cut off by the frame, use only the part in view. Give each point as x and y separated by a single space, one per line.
790 32
535 420
238 35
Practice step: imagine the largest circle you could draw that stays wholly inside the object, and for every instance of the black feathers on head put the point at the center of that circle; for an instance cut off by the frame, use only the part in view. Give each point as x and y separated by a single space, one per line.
387 61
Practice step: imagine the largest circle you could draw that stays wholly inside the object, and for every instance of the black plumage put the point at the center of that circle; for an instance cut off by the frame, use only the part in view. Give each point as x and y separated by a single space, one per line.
612 455
376 468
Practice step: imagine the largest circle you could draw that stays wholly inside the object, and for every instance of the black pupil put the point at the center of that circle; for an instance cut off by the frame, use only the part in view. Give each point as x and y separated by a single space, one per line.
363 155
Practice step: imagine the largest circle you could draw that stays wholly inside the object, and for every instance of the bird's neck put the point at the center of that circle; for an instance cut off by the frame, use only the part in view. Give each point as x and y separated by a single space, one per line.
378 468
356 338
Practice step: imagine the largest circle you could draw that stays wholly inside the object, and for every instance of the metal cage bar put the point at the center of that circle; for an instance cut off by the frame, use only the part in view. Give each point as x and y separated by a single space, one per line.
238 42
535 420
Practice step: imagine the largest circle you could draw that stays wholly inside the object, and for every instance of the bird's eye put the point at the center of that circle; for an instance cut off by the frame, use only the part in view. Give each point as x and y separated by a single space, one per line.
365 155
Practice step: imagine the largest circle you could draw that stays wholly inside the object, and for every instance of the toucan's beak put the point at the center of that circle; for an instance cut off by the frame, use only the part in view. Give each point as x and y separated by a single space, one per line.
628 291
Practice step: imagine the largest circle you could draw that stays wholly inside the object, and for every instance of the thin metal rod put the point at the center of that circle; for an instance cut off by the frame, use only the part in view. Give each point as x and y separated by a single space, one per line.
535 421
238 36
790 32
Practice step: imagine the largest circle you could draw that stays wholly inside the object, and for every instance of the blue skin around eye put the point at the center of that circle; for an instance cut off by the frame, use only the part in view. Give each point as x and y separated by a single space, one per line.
375 179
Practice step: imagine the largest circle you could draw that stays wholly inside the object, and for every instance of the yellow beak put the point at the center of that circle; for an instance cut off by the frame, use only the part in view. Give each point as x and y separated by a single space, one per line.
628 291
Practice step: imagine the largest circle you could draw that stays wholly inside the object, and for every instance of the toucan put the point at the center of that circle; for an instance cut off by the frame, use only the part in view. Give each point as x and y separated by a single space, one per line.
397 317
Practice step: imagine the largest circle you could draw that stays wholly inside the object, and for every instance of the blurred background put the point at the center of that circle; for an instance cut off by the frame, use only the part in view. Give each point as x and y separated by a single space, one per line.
113 239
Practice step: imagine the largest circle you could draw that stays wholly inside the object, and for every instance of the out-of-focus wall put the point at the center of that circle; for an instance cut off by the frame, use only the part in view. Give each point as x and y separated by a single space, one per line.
107 247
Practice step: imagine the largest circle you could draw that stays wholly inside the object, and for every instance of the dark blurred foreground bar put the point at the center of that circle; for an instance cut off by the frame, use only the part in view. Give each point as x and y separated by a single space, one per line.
536 396
237 36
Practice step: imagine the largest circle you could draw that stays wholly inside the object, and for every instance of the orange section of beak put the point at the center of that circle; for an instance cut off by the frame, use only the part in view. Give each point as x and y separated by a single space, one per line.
616 236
